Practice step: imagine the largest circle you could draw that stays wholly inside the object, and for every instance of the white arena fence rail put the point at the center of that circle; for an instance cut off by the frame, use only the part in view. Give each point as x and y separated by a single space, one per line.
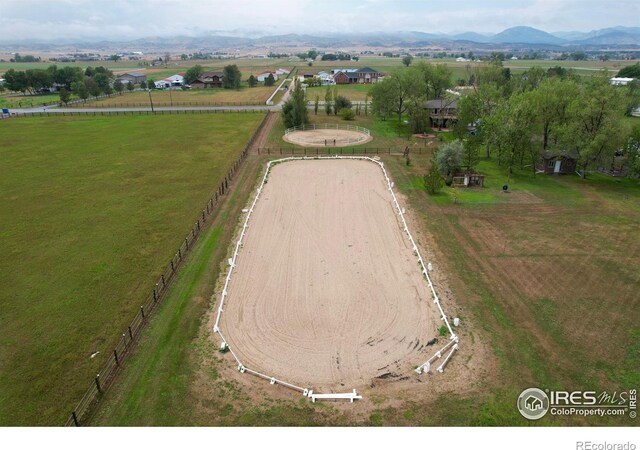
328 126
425 367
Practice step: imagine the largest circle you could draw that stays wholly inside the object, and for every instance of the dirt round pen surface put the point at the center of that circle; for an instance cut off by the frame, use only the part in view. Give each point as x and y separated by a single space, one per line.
327 292
327 137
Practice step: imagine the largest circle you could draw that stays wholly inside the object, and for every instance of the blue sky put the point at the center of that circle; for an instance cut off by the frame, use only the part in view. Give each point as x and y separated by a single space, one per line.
113 19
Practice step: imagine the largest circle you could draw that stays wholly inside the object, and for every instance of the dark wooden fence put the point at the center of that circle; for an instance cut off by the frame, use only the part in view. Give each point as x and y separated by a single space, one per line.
85 408
163 104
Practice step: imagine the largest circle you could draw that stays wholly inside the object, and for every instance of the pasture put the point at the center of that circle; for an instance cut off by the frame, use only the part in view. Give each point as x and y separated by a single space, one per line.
194 97
544 279
354 92
91 212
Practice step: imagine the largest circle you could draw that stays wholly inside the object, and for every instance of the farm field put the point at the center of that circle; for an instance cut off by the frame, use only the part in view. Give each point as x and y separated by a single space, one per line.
195 97
544 280
92 211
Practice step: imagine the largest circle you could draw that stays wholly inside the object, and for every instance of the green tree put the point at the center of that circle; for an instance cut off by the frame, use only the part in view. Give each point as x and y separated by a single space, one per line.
347 114
328 101
631 150
632 71
340 102
232 77
596 129
252 81
396 92
437 79
551 101
193 73
449 158
270 80
118 86
65 96
316 104
115 58
151 84
407 60
143 85
294 110
130 86
433 181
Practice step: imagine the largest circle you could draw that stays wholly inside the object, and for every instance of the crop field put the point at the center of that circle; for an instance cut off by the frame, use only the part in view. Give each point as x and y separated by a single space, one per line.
92 209
195 97
544 279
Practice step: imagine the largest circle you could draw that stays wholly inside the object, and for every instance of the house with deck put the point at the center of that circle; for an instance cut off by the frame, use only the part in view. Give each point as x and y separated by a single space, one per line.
365 75
442 112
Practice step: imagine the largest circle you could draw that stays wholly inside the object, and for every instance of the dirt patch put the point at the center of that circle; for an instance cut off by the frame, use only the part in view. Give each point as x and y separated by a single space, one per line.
327 138
327 292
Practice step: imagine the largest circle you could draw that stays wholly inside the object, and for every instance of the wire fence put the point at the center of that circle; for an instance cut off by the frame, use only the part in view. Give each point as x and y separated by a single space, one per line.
330 151
63 113
164 103
328 126
105 378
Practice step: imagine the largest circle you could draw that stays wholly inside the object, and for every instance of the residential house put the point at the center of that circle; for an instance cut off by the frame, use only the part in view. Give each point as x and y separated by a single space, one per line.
554 162
325 77
442 112
208 80
365 75
172 81
283 72
132 77
264 75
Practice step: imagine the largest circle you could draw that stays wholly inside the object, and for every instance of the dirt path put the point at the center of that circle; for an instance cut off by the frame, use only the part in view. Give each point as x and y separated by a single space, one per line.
327 292
263 133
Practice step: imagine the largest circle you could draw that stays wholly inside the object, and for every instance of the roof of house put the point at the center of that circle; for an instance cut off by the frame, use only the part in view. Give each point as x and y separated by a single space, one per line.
211 74
131 74
554 153
440 103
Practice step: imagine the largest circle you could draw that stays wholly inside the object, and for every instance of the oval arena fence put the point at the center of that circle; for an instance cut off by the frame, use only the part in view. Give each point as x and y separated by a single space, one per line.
323 135
425 367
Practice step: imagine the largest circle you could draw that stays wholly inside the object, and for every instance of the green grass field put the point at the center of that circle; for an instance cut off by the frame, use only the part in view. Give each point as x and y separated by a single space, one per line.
354 92
28 101
92 209
546 276
194 97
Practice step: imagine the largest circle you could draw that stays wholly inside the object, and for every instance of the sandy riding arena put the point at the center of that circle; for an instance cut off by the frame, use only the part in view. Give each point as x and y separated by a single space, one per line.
326 291
327 135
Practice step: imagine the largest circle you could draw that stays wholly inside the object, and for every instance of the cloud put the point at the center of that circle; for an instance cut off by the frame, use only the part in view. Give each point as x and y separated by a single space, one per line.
53 20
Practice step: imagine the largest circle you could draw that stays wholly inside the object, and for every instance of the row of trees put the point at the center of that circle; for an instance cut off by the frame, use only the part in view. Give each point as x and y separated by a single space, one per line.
518 118
36 80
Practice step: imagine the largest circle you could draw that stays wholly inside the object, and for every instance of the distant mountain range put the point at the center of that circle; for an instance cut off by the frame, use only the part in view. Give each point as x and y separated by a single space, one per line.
615 37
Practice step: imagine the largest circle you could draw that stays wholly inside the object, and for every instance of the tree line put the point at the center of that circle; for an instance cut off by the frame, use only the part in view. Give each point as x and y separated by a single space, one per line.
515 118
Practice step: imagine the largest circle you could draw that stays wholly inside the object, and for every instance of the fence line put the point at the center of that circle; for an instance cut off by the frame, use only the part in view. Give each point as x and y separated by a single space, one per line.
400 211
332 151
63 113
106 376
163 104
328 126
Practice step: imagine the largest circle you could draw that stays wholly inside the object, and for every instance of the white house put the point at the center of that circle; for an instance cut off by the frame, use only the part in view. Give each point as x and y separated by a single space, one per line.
618 81
263 76
325 77
172 81
282 72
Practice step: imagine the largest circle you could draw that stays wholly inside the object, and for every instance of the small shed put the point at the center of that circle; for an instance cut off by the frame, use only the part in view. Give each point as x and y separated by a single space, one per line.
468 180
558 163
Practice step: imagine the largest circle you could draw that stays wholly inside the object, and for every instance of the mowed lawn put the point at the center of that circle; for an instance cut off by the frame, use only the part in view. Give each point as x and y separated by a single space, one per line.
354 92
195 97
91 211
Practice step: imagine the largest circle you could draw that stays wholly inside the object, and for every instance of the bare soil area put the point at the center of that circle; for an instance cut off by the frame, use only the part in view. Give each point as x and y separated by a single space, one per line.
327 138
327 292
